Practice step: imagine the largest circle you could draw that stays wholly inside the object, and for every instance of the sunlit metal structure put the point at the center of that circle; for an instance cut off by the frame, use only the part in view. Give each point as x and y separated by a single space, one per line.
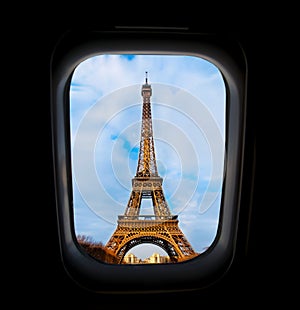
161 228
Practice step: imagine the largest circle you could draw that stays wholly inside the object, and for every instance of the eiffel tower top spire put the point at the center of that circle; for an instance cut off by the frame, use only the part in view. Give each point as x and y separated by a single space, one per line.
147 163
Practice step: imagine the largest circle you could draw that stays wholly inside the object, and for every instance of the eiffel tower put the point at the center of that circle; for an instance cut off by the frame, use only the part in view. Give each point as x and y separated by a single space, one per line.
160 228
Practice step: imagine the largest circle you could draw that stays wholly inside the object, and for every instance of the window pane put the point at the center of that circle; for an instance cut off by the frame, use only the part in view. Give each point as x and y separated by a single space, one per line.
148 149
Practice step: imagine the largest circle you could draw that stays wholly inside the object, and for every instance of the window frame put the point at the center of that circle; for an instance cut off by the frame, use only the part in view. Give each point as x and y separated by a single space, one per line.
228 57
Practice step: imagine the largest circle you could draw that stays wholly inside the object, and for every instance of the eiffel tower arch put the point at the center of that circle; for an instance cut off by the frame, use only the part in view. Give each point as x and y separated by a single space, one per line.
160 228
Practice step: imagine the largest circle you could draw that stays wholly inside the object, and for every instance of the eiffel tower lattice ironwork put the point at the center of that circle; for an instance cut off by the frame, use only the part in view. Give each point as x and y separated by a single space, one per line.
161 228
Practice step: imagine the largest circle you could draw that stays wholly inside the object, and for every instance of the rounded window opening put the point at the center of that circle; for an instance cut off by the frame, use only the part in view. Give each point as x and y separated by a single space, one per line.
148 153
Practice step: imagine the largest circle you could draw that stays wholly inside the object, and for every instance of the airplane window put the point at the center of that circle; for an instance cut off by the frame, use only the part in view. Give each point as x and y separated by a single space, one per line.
148 131
147 151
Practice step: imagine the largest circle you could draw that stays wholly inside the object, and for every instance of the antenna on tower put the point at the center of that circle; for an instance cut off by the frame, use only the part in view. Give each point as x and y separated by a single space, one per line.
146 77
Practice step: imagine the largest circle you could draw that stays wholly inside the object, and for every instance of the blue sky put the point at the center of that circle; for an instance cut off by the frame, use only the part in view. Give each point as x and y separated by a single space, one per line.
188 113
